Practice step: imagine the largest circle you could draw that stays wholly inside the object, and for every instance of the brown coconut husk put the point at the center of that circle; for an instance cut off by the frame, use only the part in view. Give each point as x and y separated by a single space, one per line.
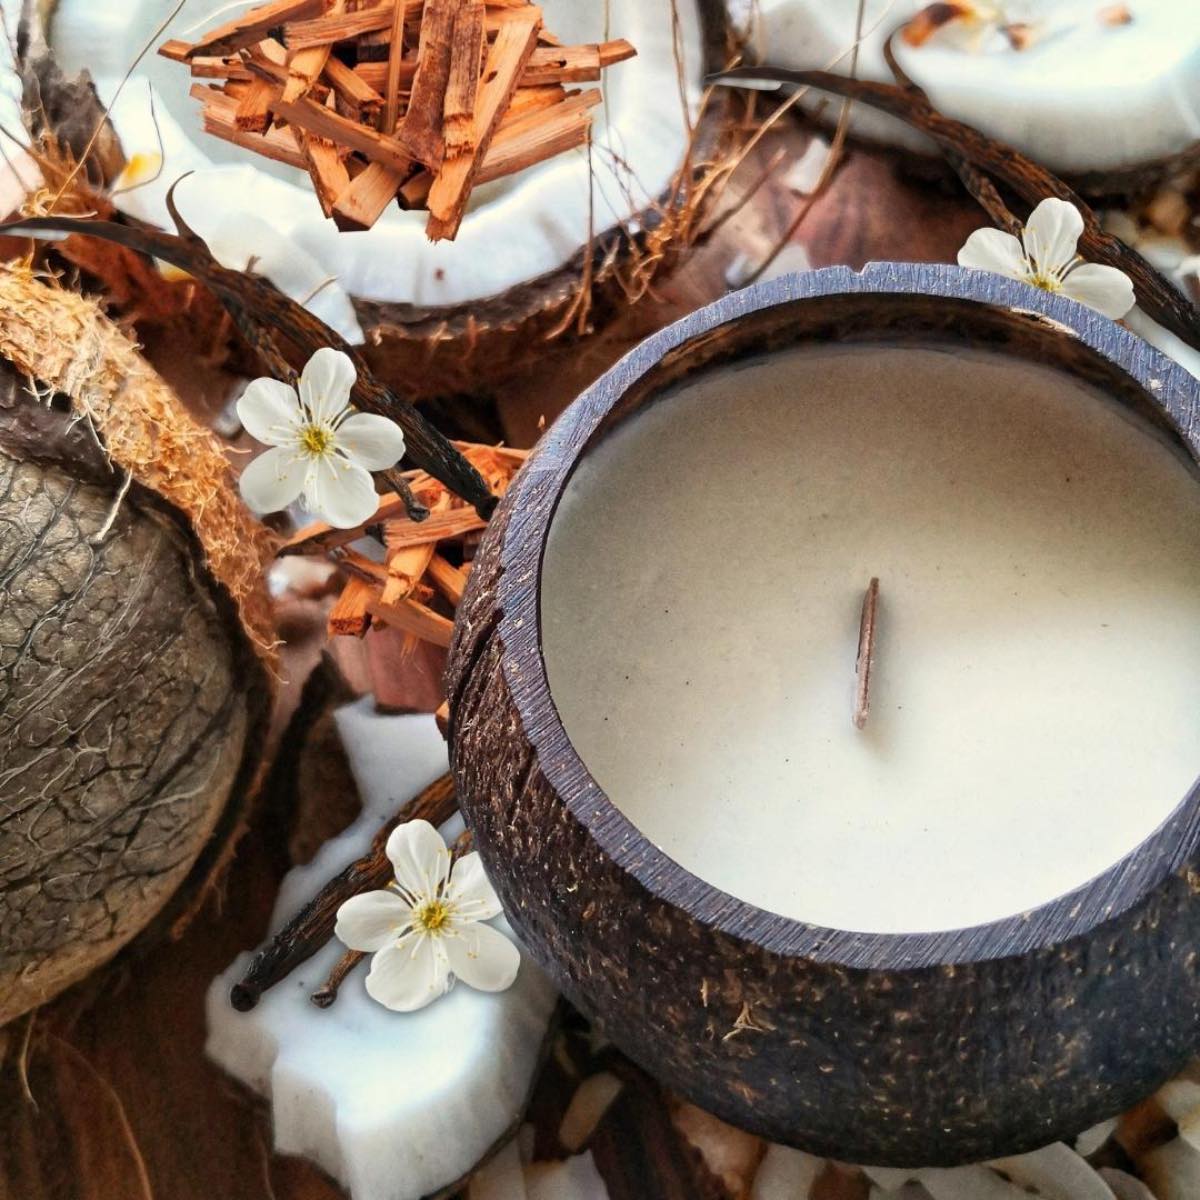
64 342
97 411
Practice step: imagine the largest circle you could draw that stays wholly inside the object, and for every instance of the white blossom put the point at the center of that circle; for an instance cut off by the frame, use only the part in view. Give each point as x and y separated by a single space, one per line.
320 447
426 930
1045 256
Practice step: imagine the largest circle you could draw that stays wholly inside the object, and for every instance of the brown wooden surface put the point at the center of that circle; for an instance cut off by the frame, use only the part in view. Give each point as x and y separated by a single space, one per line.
121 1103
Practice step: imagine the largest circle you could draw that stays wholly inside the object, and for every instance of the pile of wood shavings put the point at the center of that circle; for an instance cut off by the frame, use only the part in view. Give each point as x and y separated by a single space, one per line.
420 580
417 101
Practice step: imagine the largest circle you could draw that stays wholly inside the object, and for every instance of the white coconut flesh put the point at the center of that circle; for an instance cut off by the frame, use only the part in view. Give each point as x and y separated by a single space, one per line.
19 174
1085 95
394 1106
517 229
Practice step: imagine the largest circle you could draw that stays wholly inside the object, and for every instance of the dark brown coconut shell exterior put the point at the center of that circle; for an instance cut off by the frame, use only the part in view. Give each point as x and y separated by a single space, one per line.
1119 184
921 1049
427 353
133 707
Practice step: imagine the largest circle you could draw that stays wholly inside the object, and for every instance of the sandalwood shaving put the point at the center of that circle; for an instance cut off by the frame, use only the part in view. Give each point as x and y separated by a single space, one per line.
415 102
420 582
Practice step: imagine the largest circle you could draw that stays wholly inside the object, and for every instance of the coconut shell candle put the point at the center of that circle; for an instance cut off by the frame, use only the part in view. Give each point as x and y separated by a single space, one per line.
1099 92
823 706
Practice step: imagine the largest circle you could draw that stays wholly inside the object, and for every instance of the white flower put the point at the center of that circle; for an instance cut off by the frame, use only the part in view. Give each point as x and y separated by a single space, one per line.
426 930
320 445
1045 256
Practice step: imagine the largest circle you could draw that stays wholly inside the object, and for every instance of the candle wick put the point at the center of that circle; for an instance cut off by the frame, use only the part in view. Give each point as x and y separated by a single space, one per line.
866 655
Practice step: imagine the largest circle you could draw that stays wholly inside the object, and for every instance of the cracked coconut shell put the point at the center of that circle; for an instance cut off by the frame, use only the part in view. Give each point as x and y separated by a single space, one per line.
134 646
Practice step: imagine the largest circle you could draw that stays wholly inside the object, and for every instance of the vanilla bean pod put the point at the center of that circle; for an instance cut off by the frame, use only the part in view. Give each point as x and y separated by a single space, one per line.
327 993
1032 182
974 180
257 307
312 926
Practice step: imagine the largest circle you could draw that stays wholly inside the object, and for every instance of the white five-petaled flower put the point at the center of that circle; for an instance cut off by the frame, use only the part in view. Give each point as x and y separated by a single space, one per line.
426 929
1045 256
319 445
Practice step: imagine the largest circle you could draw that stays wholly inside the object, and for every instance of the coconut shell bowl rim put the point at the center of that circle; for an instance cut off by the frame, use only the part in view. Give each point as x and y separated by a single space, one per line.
1169 396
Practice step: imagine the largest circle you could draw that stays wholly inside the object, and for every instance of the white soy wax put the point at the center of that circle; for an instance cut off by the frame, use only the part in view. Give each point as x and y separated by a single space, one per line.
1035 696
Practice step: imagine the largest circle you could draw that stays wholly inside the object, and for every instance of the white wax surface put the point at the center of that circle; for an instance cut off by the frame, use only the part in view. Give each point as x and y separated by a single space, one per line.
1035 707
1084 95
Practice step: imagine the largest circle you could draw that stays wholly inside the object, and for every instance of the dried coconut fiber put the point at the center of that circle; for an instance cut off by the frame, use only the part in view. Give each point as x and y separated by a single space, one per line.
135 635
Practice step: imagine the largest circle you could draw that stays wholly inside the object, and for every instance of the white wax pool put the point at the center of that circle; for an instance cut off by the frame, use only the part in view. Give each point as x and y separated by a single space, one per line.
1035 701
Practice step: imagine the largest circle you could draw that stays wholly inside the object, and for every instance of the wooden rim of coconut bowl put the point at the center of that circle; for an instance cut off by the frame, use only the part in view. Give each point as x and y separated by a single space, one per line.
893 1049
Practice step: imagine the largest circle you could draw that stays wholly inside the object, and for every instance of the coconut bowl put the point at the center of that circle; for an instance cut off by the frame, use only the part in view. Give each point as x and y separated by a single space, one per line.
894 1049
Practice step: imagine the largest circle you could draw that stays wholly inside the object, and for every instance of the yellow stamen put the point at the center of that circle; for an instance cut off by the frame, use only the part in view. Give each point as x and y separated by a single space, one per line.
315 440
1046 281
432 916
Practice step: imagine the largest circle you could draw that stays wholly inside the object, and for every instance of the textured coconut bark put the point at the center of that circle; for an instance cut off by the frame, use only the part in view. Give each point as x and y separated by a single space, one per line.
963 1045
132 713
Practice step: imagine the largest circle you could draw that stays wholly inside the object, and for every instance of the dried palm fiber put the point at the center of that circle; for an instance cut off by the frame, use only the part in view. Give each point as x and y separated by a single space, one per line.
135 646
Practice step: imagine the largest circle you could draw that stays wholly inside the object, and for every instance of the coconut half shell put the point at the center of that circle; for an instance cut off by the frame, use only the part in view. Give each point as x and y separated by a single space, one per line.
1108 104
441 317
135 644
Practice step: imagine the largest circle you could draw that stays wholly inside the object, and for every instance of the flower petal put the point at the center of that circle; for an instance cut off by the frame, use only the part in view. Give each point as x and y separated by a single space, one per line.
1051 234
269 411
993 250
469 890
371 441
325 383
340 492
371 920
1104 288
409 974
272 480
419 858
483 958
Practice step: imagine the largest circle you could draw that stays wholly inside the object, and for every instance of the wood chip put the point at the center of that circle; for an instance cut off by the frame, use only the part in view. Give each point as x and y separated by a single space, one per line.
422 123
466 67
411 616
352 89
349 616
219 68
305 66
506 60
255 25
175 50
541 136
324 122
254 108
326 168
450 580
406 564
395 63
573 64
220 120
370 193
344 27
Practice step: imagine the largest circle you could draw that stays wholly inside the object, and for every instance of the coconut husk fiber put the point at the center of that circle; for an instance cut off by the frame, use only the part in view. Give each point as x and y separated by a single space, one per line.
136 636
